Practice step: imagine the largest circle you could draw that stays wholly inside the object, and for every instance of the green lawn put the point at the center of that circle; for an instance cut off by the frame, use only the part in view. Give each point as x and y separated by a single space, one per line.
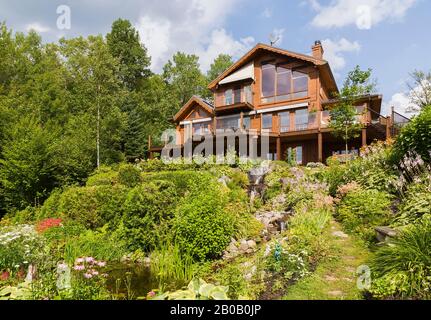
335 277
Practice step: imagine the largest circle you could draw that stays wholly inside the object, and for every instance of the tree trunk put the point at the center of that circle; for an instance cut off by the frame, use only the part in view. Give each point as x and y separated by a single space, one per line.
98 130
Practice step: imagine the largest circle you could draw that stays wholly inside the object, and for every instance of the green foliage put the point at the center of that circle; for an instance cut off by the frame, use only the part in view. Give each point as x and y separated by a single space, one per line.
27 171
146 209
184 78
20 246
343 115
20 292
361 211
402 269
372 171
92 207
292 266
416 203
202 227
124 44
220 64
104 176
197 289
98 244
415 136
129 175
168 263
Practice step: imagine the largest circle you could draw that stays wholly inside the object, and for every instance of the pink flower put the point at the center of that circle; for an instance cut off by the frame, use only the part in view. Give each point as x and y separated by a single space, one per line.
88 275
79 260
89 259
79 267
101 263
94 272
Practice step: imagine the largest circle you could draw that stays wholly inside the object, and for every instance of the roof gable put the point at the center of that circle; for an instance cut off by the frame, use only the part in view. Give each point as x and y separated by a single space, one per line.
186 109
322 64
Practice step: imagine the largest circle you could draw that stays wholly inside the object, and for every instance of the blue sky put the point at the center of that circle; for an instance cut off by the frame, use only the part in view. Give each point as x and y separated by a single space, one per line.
389 36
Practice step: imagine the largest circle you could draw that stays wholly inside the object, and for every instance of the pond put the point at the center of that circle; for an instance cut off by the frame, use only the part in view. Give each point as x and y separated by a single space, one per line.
137 279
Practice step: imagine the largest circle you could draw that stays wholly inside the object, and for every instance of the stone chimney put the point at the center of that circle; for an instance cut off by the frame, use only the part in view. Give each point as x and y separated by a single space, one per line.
317 50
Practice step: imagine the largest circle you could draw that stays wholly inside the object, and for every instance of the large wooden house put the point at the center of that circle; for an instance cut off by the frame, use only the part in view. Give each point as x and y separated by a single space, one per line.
286 94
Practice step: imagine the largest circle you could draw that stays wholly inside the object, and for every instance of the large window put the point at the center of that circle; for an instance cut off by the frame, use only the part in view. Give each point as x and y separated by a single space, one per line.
228 96
284 121
268 80
201 128
237 94
301 119
300 84
267 121
284 83
230 123
248 94
281 83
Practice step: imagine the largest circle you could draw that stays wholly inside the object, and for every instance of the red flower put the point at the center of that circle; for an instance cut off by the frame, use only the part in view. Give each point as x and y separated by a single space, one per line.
4 276
47 224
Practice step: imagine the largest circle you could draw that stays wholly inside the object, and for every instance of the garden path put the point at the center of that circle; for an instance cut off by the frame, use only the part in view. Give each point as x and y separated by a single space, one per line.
335 277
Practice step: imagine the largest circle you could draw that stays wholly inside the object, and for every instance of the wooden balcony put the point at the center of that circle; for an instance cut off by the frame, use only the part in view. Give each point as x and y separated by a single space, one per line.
237 107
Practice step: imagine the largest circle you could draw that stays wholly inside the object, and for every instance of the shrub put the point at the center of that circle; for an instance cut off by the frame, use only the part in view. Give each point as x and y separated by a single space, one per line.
104 176
306 230
185 182
129 175
416 202
362 210
415 136
201 225
92 207
146 208
292 266
403 268
334 175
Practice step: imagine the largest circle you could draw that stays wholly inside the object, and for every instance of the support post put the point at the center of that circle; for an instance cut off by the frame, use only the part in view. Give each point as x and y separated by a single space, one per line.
388 127
364 137
320 147
241 121
278 148
215 125
150 154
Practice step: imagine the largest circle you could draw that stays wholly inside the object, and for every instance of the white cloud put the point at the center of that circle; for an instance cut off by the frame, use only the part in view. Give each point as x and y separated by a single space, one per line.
334 52
222 42
267 13
156 37
362 13
199 29
36 26
402 101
